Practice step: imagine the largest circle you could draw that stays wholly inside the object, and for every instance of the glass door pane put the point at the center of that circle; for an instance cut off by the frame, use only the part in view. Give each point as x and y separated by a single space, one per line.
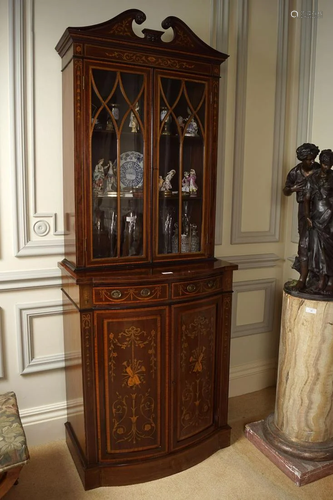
181 162
117 157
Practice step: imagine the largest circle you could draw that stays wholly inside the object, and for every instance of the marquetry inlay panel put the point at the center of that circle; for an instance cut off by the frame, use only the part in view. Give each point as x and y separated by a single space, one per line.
132 381
196 370
146 59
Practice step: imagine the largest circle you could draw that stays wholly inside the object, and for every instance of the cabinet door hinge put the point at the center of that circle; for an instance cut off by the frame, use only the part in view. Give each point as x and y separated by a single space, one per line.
83 82
85 244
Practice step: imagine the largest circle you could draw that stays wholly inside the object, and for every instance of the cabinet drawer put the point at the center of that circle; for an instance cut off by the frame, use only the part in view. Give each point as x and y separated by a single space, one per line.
126 294
196 287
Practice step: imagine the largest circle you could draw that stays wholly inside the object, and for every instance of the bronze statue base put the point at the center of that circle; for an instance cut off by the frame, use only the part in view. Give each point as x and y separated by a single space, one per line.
305 293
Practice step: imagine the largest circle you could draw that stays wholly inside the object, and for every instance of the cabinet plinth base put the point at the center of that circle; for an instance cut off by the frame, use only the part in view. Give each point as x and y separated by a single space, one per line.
124 474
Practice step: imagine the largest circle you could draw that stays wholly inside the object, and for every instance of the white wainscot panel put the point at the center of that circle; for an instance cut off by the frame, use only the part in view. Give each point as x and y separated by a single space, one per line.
261 57
253 307
40 337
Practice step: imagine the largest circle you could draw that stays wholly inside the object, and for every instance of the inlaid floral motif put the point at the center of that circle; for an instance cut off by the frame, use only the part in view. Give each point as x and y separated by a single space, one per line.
197 367
133 418
166 62
182 38
134 373
133 411
132 338
123 28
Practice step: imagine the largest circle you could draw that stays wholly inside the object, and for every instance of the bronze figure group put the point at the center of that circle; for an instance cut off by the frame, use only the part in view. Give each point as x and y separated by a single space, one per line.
313 184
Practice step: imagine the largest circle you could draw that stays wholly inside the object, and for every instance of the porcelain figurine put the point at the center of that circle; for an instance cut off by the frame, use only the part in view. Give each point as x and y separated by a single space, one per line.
167 122
186 183
134 123
99 177
193 185
111 178
166 186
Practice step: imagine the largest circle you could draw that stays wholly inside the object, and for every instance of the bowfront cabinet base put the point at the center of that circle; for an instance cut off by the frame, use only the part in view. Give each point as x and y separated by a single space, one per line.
149 470
147 369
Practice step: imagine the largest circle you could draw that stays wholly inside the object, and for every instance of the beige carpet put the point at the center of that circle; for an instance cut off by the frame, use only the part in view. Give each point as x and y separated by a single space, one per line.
238 472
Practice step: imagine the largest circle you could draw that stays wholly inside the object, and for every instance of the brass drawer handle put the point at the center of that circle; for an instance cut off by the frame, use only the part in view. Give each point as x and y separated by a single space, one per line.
210 284
145 292
116 294
191 288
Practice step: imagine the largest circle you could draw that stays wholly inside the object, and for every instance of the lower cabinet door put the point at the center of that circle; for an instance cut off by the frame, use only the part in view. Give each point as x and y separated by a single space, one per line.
194 372
131 378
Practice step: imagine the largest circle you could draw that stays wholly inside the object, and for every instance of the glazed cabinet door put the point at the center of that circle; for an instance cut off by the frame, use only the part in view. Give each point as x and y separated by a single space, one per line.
183 166
131 382
118 163
196 346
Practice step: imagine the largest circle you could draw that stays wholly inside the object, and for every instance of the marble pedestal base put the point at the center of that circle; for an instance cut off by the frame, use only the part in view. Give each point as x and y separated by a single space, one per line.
300 431
302 424
303 450
300 471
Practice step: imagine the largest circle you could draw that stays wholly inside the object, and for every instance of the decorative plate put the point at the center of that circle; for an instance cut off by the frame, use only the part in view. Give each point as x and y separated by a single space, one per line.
131 169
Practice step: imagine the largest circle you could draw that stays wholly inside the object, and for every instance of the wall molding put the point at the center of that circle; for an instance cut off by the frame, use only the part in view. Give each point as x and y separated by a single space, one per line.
11 281
306 81
28 362
266 325
50 412
44 424
21 104
272 234
220 40
254 260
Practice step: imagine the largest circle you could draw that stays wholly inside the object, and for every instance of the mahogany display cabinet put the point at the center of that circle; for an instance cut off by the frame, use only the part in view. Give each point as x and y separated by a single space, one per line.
147 306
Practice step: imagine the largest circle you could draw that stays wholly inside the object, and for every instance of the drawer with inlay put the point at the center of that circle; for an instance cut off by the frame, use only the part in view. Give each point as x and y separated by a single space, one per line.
130 294
196 287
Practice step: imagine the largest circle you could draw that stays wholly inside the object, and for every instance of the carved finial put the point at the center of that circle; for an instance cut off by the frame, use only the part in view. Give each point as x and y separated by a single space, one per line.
152 35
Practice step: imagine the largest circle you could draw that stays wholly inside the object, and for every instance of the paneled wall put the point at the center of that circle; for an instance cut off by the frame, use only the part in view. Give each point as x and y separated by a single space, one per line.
268 92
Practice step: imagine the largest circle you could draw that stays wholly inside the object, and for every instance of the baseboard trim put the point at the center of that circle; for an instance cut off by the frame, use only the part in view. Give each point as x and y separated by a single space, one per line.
252 377
44 424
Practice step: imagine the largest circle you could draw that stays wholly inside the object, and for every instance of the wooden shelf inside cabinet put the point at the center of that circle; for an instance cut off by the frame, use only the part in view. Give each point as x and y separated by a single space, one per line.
121 194
142 316
174 195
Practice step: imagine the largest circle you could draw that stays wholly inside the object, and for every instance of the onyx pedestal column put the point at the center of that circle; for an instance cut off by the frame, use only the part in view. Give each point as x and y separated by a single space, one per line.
298 436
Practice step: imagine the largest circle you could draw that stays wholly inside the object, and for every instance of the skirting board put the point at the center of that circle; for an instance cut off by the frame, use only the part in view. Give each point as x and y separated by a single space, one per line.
44 432
44 424
252 377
